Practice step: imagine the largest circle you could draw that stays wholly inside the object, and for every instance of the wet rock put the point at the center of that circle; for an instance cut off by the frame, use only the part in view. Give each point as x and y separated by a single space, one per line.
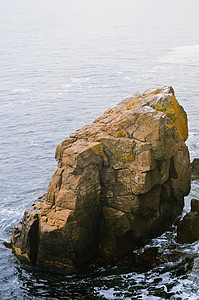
173 247
195 168
195 205
118 183
188 228
151 256
7 245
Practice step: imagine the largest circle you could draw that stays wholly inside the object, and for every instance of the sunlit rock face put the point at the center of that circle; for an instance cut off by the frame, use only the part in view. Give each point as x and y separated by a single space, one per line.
118 183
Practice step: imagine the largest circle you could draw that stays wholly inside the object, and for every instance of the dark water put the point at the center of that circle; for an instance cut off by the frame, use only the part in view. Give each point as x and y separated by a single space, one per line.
62 63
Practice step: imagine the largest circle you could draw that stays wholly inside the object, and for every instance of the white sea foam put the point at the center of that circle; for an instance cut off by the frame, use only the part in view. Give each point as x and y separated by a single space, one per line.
21 91
80 80
8 211
67 86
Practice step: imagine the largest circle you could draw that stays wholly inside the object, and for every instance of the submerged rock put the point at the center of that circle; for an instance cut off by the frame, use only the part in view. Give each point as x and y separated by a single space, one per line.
188 228
152 256
118 183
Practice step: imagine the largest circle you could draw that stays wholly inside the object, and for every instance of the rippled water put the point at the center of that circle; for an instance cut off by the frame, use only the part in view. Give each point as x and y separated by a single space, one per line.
62 63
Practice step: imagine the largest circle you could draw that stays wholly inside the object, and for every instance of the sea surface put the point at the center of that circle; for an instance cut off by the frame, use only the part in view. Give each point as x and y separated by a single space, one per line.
62 64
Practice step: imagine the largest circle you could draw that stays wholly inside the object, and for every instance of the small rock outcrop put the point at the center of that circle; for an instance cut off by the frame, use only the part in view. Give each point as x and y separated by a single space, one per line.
151 256
188 228
195 168
118 183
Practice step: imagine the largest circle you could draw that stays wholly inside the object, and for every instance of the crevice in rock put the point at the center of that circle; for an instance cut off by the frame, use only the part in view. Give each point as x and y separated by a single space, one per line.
34 240
172 169
159 164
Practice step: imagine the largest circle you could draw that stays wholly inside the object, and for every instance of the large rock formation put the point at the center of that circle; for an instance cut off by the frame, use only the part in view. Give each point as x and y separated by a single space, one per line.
118 183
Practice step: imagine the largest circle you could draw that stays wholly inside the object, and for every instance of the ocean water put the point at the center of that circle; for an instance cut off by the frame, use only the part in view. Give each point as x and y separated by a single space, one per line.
62 64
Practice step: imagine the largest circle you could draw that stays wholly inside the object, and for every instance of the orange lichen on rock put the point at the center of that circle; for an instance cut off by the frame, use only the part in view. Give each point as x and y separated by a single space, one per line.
132 104
98 150
176 114
152 92
21 256
121 132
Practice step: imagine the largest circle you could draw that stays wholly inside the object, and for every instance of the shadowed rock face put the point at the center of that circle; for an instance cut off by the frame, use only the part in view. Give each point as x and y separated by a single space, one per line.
188 228
118 183
195 168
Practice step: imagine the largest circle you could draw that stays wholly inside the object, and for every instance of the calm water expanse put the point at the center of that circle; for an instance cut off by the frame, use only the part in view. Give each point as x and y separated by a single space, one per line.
62 64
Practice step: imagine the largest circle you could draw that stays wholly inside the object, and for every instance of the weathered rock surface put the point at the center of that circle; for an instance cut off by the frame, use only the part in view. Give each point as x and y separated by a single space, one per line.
118 183
188 228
